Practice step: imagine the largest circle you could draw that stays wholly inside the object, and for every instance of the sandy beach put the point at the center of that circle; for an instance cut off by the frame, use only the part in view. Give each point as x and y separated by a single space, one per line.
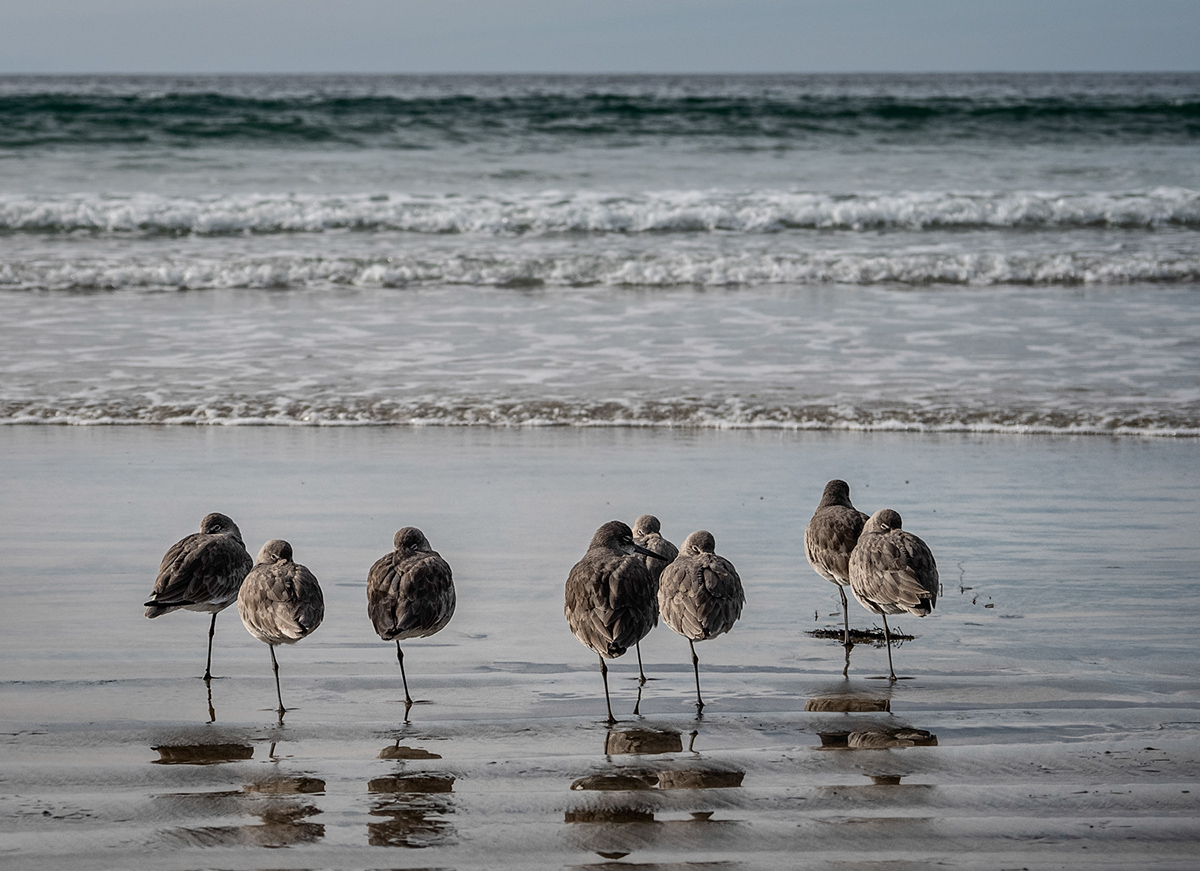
1057 675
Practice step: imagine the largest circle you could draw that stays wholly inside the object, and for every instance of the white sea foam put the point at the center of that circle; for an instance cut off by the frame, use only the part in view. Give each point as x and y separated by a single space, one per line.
699 268
582 212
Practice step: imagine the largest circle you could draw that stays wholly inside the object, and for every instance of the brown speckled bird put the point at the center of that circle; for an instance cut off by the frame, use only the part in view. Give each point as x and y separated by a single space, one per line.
700 595
280 602
202 572
892 572
610 603
830 537
647 533
410 594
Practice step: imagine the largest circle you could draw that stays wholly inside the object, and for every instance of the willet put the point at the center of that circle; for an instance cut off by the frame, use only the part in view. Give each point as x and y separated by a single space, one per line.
610 597
410 594
280 602
892 571
830 537
647 533
700 595
202 572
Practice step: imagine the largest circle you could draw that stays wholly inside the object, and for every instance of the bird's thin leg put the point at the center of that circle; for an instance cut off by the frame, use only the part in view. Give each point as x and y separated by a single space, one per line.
696 668
278 694
407 698
846 617
888 637
604 674
641 674
212 628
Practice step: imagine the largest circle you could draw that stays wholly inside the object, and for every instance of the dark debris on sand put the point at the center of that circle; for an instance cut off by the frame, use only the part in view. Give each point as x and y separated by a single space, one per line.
873 636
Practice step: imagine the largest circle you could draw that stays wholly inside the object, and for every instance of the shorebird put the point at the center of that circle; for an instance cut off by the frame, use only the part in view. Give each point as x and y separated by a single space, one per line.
610 597
892 571
202 572
700 595
830 537
280 602
647 534
410 594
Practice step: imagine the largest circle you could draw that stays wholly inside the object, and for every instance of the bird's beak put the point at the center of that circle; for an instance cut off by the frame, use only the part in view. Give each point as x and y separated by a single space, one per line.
650 553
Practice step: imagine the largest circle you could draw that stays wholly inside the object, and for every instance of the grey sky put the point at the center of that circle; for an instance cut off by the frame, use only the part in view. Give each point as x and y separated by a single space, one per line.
222 36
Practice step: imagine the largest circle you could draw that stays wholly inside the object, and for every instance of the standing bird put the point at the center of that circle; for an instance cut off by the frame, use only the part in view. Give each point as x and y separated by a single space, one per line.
700 595
280 602
610 602
892 571
646 533
830 537
410 594
202 572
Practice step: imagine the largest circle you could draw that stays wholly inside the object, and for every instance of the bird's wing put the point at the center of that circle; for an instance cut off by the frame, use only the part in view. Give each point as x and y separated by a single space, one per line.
417 598
829 539
892 575
200 568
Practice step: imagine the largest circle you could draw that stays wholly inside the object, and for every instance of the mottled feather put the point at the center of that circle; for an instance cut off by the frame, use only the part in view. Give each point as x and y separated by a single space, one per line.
700 594
280 601
410 591
891 570
610 604
202 572
832 533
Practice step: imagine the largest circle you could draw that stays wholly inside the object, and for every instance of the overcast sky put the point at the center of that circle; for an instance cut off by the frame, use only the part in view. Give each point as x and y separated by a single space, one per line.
438 36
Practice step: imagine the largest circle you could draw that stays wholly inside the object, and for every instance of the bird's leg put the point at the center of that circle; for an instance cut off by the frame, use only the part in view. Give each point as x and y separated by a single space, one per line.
212 628
641 674
696 668
887 635
604 674
407 698
846 617
278 694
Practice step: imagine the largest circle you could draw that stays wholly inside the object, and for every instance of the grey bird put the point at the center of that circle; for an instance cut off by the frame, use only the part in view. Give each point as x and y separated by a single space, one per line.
610 604
410 594
830 537
647 533
202 572
892 572
280 602
700 595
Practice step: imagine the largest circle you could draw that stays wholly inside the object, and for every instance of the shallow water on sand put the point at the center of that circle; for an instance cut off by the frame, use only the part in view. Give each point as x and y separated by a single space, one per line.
1057 673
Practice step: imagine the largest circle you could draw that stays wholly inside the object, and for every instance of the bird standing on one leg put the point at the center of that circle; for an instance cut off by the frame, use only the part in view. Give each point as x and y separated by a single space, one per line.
610 597
892 571
647 533
830 537
280 602
202 572
700 595
410 594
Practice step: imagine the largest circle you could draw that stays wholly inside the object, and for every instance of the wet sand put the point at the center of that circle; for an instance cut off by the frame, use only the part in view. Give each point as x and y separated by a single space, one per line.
1057 675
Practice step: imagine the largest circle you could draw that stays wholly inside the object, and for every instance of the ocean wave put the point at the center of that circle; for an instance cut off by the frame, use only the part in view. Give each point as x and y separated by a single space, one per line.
411 112
556 213
730 414
617 269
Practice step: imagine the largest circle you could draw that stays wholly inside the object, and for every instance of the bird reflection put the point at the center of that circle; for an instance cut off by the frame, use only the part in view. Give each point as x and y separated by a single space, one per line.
201 754
619 742
413 810
283 818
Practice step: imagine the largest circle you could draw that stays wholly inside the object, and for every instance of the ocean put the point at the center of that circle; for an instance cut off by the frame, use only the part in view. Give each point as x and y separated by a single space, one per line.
1003 253
506 310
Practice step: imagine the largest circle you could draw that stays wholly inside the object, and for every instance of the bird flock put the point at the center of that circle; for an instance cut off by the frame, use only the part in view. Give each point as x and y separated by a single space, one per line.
614 595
